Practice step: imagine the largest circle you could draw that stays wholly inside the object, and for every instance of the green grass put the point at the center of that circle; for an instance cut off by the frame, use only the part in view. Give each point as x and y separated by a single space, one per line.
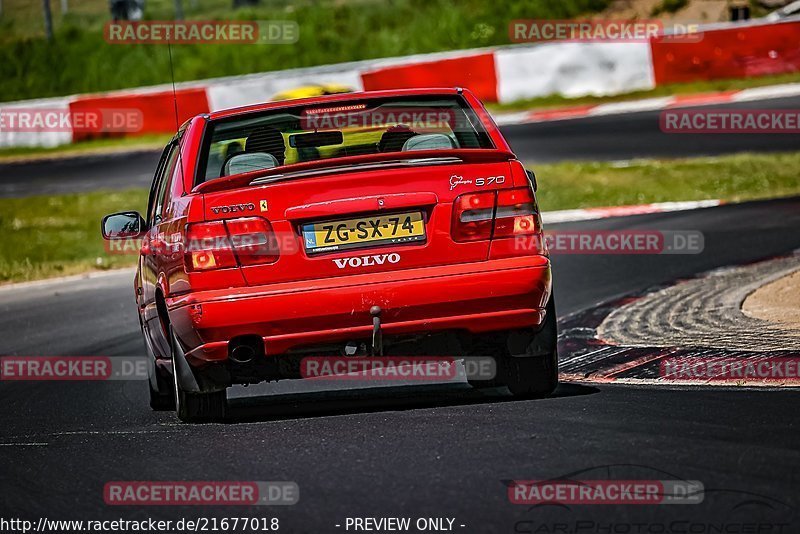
668 6
732 178
708 86
59 235
331 31
95 146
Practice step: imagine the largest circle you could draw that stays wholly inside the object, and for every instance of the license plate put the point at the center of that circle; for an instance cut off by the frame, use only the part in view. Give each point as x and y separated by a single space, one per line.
395 228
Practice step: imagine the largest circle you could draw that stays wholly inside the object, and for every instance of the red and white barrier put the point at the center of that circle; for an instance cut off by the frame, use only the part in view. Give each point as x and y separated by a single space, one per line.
505 74
739 51
43 136
475 71
224 93
572 70
157 109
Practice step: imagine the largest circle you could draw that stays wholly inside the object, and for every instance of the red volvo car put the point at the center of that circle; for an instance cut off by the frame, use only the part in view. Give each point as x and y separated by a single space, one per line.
357 225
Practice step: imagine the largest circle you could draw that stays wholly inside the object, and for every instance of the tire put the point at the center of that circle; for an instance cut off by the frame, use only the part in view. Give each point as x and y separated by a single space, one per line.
534 374
527 361
530 378
194 407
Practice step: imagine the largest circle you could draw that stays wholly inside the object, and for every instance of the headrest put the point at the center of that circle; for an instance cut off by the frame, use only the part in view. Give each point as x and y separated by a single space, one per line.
428 142
248 162
267 140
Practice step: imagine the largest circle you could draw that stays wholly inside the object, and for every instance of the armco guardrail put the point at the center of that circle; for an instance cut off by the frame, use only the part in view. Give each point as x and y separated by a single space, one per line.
501 74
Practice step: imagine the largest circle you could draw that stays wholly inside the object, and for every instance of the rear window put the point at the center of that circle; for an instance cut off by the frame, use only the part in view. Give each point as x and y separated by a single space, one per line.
308 133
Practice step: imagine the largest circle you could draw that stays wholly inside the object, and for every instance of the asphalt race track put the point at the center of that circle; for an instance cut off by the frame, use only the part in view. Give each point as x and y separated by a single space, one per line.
417 451
638 135
604 138
115 172
413 451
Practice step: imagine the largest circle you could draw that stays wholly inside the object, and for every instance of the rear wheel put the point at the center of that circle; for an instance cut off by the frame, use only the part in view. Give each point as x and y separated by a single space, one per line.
534 372
194 407
527 362
530 377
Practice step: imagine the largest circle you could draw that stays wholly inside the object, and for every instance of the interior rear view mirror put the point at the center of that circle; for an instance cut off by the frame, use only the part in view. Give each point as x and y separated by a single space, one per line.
316 139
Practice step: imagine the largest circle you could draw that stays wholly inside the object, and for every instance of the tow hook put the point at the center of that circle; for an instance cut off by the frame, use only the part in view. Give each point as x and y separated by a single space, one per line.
377 335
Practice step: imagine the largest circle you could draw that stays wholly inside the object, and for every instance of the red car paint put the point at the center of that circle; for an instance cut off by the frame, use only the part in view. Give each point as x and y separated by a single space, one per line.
451 281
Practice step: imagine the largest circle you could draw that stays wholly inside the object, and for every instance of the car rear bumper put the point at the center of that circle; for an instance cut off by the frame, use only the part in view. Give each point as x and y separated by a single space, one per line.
477 297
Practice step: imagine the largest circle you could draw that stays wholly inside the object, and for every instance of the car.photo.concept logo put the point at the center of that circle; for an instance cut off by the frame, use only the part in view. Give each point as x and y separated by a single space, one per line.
639 499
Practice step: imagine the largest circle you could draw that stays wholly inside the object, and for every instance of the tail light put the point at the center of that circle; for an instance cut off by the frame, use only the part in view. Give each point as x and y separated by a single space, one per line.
253 241
227 244
472 217
491 215
515 214
208 247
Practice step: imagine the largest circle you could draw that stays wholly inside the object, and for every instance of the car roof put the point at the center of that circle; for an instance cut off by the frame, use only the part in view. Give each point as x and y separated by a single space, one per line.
327 99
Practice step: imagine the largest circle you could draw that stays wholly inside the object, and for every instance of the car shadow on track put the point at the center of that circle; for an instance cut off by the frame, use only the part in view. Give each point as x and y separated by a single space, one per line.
369 400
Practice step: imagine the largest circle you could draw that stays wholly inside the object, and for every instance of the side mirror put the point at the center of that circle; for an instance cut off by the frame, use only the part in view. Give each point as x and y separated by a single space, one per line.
532 180
125 225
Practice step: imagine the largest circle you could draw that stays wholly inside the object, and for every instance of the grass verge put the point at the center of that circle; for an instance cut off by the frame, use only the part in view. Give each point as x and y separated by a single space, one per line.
95 146
79 60
732 178
58 235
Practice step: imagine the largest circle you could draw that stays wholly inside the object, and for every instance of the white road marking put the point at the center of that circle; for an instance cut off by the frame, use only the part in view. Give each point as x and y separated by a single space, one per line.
553 217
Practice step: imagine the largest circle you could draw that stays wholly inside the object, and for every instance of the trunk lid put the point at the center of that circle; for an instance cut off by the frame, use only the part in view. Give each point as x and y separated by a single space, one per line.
380 219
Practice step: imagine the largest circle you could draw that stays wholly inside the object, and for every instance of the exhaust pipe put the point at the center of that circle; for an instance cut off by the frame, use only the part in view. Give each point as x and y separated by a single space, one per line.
242 354
244 349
